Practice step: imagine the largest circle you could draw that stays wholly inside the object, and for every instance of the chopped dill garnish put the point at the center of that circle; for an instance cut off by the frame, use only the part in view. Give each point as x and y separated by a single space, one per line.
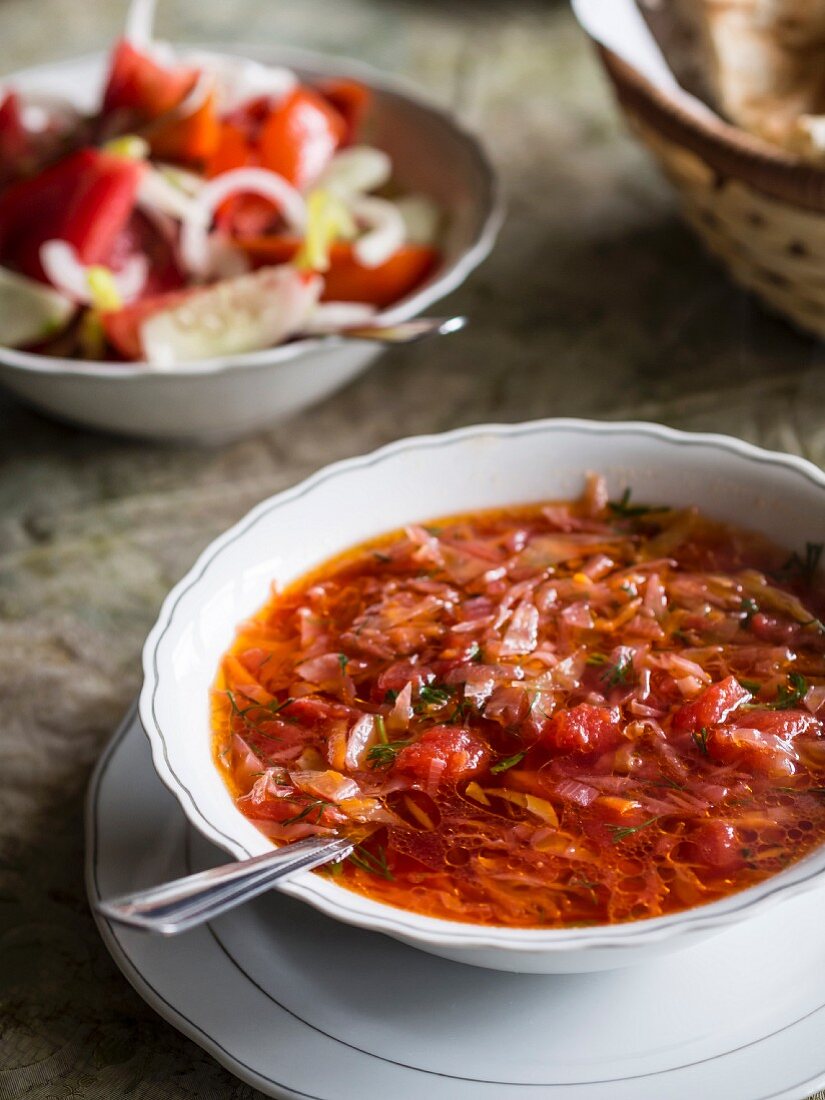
665 781
749 608
373 864
799 567
390 696
619 673
383 754
431 695
230 695
586 884
622 832
508 762
622 507
381 728
753 686
273 706
318 804
597 659
819 791
700 739
462 709
343 661
790 694
474 653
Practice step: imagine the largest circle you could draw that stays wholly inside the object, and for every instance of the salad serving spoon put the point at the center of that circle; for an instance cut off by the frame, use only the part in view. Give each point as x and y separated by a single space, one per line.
176 906
404 332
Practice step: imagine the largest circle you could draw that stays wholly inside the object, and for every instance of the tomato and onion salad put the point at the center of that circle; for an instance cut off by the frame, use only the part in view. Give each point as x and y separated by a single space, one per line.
545 716
196 172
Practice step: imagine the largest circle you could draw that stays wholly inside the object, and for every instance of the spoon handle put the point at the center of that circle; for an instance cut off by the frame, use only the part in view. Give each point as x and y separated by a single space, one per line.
176 906
404 332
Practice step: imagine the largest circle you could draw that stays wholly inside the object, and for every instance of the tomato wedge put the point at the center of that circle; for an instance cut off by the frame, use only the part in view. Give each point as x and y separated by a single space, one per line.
582 729
712 706
718 845
141 88
300 136
14 140
443 754
351 100
85 199
232 150
192 139
347 280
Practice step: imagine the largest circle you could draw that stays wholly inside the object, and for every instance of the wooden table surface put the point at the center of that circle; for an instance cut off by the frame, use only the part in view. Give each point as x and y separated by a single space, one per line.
597 302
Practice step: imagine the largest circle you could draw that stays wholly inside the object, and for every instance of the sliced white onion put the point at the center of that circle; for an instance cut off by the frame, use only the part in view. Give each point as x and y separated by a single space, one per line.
67 274
64 270
422 218
139 22
356 170
359 739
194 240
329 785
330 317
157 192
239 79
385 230
815 698
131 279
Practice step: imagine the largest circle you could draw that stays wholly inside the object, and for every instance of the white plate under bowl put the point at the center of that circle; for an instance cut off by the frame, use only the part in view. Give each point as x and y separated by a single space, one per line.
301 1006
420 479
220 399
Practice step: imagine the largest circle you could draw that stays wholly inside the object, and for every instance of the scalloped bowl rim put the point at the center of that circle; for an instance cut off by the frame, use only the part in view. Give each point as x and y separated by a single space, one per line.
363 912
454 274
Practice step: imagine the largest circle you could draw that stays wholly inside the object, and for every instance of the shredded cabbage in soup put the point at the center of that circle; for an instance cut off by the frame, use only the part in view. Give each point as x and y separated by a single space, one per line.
545 716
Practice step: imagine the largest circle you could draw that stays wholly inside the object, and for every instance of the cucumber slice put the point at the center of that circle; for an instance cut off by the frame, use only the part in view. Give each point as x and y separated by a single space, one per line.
233 316
29 311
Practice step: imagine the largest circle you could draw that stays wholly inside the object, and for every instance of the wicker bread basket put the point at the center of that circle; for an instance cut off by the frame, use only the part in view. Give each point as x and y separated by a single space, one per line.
758 209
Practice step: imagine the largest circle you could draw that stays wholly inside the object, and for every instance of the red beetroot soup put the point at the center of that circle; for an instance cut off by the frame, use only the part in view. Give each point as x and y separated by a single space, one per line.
544 716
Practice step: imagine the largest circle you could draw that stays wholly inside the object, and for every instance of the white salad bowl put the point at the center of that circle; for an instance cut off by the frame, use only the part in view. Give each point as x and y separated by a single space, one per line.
420 479
223 398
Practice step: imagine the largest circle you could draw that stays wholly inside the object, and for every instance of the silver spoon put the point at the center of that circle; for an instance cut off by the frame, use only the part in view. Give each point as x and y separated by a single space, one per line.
404 332
186 902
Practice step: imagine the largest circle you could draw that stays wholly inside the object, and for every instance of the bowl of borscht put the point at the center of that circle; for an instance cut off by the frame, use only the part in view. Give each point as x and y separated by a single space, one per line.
562 683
